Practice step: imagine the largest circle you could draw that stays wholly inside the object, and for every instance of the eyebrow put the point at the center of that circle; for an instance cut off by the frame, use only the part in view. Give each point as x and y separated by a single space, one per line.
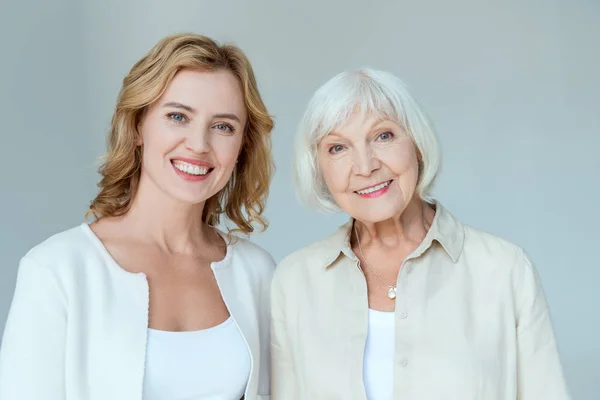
377 122
232 117
175 104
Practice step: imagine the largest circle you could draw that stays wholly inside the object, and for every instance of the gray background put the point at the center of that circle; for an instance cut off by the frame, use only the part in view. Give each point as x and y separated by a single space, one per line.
513 87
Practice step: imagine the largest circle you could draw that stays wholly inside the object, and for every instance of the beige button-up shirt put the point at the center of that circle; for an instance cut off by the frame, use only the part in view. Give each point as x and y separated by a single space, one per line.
472 322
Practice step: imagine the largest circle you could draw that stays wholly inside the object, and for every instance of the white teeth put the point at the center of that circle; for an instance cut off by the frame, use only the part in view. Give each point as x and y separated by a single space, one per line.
374 188
190 168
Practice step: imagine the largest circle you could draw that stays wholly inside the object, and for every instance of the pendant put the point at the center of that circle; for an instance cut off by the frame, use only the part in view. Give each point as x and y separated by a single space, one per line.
392 293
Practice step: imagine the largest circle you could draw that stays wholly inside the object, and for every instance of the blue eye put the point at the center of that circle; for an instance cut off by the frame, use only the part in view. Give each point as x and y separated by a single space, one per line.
385 136
336 148
177 117
225 128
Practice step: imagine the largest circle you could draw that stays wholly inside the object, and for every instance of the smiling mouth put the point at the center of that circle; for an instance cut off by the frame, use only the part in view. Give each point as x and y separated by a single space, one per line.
375 188
191 169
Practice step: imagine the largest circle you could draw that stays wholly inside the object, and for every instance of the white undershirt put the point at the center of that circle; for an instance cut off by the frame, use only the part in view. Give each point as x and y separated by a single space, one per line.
211 364
378 365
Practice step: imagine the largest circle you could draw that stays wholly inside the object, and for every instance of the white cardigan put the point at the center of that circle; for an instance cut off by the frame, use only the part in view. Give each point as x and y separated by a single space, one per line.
77 326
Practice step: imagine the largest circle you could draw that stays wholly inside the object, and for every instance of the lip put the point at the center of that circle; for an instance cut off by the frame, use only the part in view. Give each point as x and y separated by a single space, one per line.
372 186
377 193
193 161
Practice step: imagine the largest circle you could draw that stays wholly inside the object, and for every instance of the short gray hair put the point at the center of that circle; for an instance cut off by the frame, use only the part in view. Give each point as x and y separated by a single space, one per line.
369 91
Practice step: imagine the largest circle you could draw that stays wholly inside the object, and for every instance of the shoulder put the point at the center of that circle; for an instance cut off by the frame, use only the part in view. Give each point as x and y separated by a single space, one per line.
510 262
495 251
312 257
485 241
304 256
61 245
252 256
62 249
54 262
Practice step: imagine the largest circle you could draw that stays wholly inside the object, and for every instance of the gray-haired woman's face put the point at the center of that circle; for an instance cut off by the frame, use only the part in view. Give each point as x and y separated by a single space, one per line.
370 166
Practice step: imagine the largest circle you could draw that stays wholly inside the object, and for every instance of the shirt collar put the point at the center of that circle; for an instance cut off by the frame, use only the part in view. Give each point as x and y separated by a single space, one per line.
445 229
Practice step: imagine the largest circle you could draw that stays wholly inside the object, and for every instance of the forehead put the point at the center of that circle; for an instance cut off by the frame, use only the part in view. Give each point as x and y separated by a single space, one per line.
211 91
360 122
349 111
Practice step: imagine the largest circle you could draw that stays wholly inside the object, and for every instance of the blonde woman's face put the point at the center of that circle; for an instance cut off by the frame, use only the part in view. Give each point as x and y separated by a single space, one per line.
192 135
370 166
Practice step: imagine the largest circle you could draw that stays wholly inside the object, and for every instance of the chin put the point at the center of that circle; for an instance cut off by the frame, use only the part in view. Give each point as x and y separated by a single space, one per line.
374 216
189 198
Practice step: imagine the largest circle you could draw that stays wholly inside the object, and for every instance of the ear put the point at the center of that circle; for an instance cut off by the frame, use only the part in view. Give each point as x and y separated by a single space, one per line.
419 161
139 139
419 155
140 118
237 159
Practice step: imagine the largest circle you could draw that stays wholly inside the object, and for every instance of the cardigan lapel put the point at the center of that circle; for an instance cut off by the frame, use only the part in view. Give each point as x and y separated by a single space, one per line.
123 343
232 292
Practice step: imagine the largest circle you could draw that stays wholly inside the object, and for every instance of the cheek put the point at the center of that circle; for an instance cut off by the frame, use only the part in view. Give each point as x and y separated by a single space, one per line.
226 149
336 173
400 158
159 139
151 147
405 167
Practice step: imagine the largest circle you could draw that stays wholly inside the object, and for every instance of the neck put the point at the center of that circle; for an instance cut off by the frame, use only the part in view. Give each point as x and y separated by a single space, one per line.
174 226
410 227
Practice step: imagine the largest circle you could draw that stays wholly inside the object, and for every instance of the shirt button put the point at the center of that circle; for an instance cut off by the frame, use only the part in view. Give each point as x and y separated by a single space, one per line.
403 362
403 315
409 269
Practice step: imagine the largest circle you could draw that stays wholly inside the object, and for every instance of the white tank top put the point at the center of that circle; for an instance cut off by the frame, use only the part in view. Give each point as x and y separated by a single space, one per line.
211 364
378 363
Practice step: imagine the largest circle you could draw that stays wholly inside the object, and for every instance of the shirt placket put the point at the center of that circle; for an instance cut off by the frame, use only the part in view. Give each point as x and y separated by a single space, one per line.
357 325
405 326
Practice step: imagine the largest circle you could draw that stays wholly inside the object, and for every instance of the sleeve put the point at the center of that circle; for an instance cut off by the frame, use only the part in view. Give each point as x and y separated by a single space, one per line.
32 357
540 374
283 376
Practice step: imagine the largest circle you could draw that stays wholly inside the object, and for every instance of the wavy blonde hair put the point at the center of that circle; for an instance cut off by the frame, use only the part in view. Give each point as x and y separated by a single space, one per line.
243 198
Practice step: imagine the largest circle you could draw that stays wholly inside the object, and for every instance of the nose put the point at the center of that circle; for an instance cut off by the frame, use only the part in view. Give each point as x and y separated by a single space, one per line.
198 141
365 161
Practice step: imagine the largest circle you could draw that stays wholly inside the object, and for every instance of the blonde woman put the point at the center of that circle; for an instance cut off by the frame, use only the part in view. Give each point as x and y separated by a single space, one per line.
150 301
403 301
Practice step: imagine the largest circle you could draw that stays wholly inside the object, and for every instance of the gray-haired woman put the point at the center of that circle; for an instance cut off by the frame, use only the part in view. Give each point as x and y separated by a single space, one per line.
403 301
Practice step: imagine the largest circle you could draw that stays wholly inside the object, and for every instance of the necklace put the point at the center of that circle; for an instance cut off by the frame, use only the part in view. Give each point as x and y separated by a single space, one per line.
391 288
